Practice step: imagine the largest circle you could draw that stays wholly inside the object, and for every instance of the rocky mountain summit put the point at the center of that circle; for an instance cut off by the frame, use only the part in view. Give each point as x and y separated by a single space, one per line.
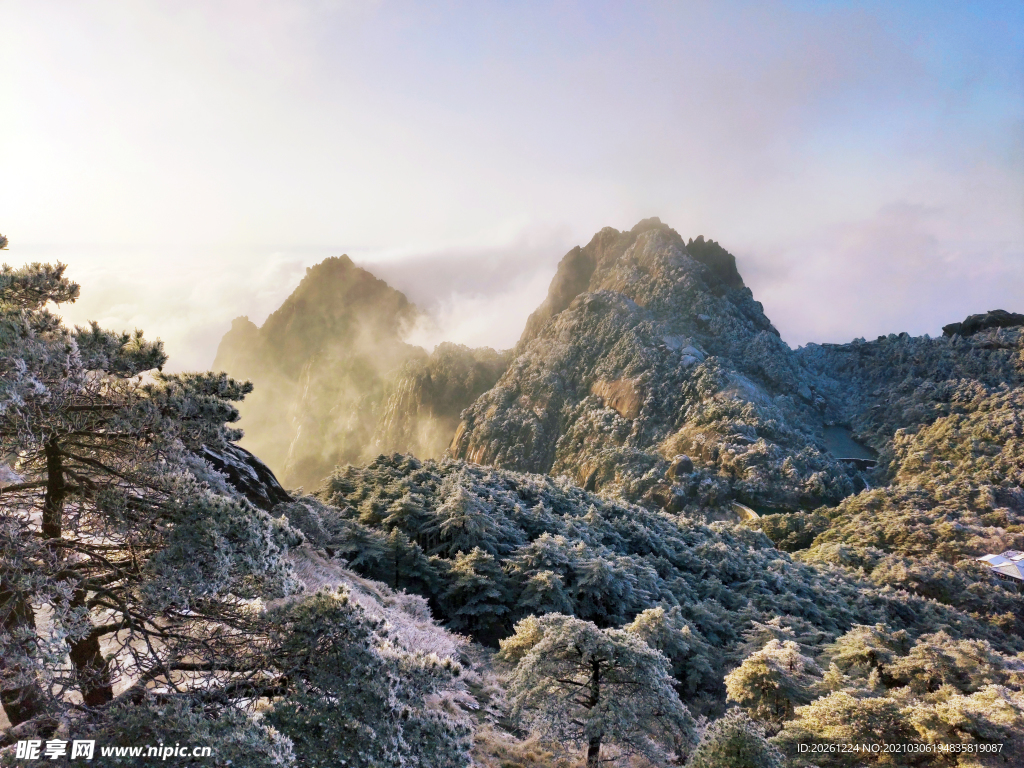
649 348
335 382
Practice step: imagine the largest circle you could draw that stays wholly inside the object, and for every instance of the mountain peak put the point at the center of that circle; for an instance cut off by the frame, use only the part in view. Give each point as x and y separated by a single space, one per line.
332 264
721 263
642 336
616 260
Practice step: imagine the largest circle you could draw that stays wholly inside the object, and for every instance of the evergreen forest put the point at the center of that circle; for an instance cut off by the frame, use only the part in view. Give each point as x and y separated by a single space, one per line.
650 534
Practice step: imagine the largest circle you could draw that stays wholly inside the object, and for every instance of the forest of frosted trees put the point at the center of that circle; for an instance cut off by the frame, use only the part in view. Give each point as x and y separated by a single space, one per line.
606 609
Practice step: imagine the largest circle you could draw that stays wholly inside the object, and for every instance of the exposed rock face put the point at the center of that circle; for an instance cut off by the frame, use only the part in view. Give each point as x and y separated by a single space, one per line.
248 475
995 318
645 348
319 363
622 396
335 383
420 409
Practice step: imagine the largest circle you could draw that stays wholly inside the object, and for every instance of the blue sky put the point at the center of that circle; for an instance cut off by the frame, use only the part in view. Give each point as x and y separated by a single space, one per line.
864 161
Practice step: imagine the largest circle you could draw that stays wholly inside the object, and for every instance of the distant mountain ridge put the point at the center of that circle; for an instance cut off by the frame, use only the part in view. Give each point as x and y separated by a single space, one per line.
649 347
335 382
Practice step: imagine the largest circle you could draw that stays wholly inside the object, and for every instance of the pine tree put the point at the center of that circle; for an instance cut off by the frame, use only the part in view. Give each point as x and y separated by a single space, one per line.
585 686
691 657
770 683
543 593
839 719
938 660
866 649
462 522
735 741
476 596
355 694
115 524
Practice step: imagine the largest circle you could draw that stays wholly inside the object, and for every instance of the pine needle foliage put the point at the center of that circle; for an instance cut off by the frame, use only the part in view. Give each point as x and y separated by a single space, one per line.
585 686
735 741
141 558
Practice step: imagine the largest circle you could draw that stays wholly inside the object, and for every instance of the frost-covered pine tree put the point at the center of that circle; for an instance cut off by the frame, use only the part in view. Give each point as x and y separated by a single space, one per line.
355 694
770 683
113 532
476 595
587 686
692 659
735 741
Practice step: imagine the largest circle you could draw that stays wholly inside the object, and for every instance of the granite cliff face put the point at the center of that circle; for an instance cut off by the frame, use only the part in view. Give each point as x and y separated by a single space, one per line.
422 401
314 362
336 384
649 347
649 372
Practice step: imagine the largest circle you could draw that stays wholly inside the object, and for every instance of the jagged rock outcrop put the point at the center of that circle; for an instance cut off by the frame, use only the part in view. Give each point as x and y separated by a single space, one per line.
247 475
335 382
583 268
319 363
423 400
648 347
994 318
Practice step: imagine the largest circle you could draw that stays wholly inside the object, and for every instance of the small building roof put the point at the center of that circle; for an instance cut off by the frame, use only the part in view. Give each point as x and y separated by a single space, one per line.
1009 564
1013 570
994 559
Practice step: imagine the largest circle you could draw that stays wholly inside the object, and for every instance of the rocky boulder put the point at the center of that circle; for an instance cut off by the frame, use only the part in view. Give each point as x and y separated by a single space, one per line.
247 475
681 465
995 318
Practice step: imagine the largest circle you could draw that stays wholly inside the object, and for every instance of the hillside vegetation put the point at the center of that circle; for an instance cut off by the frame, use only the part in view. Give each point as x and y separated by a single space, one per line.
660 536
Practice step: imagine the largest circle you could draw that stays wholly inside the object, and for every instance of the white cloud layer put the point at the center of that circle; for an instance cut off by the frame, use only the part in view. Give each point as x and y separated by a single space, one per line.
189 160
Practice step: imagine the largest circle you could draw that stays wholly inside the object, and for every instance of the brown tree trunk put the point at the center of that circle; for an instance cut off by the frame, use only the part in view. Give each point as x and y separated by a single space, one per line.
20 702
594 752
53 503
594 745
92 669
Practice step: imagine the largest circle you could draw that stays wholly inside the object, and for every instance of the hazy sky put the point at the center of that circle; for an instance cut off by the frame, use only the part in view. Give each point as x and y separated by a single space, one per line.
863 160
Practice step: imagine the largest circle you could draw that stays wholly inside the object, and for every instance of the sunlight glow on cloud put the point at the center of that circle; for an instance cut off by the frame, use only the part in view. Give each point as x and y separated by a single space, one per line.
864 162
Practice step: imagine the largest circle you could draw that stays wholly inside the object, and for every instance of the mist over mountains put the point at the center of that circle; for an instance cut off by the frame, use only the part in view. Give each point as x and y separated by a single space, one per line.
646 347
727 545
336 383
651 455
